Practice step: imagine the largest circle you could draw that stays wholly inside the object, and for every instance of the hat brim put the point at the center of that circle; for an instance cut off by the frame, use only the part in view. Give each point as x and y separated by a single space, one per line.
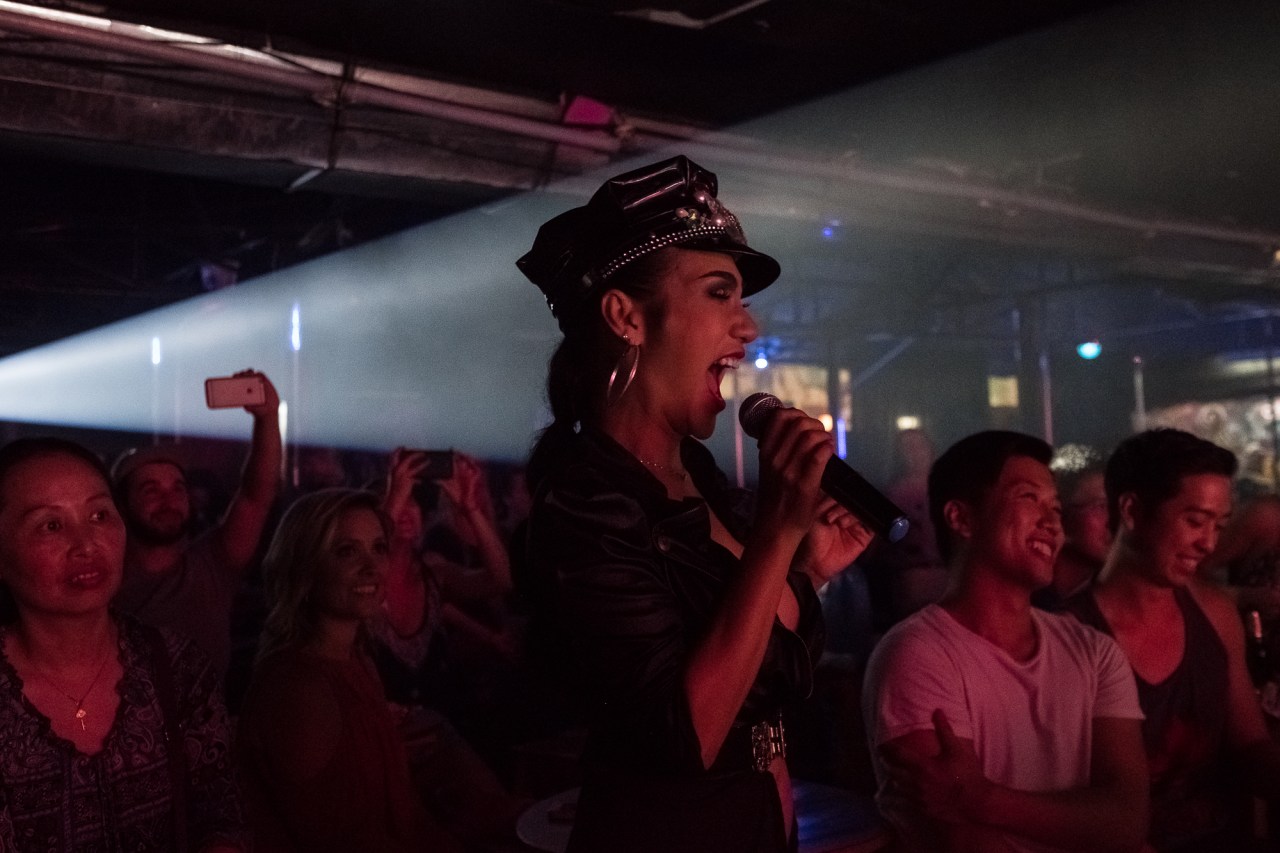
133 459
757 269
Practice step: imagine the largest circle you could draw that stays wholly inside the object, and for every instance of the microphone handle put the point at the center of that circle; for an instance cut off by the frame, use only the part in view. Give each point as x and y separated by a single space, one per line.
851 490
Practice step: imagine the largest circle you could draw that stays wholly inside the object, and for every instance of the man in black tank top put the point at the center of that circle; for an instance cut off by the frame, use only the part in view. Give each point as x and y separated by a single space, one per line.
1168 496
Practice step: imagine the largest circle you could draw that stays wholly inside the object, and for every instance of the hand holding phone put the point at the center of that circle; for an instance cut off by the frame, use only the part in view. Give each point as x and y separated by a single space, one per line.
439 464
225 392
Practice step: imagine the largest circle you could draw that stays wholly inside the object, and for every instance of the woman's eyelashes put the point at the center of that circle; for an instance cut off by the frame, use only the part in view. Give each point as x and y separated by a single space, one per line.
727 294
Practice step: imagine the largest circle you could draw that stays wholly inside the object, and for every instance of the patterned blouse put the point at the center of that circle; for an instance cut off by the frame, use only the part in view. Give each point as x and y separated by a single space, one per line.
55 798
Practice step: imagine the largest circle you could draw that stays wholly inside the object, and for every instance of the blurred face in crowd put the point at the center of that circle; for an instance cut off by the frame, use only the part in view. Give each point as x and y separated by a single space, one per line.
915 451
703 333
409 523
320 468
1084 518
157 506
1173 538
61 538
351 581
1015 531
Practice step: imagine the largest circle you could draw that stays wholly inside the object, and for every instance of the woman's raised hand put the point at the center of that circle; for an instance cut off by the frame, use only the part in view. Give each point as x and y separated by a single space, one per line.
403 473
467 488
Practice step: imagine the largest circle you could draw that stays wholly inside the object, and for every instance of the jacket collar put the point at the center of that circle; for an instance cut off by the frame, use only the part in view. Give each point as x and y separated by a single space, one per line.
729 504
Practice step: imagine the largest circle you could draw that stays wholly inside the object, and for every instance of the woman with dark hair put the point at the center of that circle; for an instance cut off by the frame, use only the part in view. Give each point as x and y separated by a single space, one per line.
113 735
325 769
689 628
413 645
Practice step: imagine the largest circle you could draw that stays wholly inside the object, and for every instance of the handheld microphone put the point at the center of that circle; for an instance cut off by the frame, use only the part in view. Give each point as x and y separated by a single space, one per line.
839 481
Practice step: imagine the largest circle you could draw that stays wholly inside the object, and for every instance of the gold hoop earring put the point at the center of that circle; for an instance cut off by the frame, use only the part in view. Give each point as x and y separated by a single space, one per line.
632 352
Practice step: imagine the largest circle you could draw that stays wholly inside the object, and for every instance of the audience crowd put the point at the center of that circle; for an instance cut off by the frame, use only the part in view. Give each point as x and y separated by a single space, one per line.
1117 713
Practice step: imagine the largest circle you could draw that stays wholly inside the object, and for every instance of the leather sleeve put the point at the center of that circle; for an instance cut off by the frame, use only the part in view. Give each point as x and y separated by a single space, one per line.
619 622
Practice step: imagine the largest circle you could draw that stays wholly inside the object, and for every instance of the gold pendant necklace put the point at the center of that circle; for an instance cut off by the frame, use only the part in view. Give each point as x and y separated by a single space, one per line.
81 713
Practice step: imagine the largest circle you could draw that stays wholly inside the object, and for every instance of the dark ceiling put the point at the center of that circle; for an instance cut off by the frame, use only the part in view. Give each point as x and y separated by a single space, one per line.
755 58
105 219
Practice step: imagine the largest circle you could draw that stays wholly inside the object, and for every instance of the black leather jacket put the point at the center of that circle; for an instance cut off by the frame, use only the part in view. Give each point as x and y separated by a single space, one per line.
630 579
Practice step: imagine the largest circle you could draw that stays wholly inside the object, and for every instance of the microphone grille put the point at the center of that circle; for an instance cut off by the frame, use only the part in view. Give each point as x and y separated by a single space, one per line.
755 410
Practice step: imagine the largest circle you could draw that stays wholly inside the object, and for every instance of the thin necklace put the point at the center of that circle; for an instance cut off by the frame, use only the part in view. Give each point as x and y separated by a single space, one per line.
675 472
81 713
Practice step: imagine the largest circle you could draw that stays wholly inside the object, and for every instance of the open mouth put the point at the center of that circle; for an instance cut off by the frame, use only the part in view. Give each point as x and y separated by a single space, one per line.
365 589
87 580
1043 548
716 373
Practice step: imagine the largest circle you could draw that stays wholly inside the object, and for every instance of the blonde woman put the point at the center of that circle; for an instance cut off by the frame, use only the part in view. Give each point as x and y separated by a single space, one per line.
325 768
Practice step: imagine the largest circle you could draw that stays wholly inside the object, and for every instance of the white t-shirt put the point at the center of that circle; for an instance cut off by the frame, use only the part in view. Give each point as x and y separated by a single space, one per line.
1031 722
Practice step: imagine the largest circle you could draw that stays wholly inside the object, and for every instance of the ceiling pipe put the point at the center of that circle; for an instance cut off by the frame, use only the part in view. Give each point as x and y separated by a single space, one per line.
987 196
676 18
324 88
720 148
882 362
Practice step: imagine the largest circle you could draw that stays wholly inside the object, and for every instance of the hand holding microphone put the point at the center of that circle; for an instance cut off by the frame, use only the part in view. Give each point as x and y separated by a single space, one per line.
839 481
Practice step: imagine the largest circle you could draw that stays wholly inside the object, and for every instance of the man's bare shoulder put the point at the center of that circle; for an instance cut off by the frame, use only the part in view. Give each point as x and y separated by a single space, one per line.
1219 607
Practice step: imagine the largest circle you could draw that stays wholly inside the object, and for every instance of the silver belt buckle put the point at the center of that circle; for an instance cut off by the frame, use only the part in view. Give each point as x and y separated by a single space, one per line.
768 741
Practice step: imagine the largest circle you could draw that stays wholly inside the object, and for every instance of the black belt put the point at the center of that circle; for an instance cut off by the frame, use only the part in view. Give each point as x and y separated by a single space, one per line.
753 746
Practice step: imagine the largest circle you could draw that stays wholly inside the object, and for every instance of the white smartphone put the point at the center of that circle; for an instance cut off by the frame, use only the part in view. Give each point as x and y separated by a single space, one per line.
225 392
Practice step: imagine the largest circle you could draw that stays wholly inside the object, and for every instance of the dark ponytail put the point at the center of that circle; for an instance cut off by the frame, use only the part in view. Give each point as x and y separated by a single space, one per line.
578 371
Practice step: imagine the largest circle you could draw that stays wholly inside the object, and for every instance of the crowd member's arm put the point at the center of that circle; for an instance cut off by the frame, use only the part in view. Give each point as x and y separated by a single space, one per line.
466 488
460 584
241 528
1253 749
917 831
723 665
504 642
406 602
943 781
908 674
932 786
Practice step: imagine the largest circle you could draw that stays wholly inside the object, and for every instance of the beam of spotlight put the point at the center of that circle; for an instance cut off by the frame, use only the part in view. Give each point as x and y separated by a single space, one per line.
426 338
